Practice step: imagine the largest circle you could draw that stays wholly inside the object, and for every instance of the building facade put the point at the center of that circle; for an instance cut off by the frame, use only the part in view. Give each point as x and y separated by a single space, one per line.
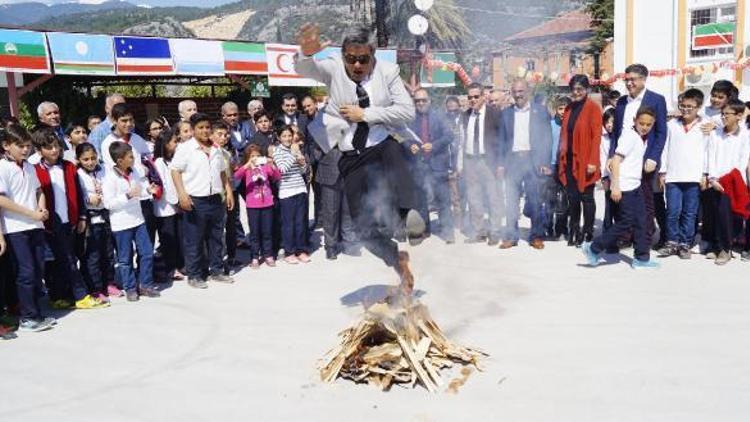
710 35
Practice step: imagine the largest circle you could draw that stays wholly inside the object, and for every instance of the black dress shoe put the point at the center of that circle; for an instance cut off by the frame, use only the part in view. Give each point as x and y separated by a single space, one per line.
331 254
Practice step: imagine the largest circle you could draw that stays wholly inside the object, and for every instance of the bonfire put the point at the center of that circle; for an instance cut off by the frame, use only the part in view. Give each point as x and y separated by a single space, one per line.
397 342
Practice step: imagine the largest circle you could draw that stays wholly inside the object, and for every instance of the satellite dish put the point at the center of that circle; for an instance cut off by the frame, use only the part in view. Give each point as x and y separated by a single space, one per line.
418 25
424 5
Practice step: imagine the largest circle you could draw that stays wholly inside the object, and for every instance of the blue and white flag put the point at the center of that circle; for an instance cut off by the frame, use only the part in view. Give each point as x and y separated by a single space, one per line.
197 57
81 54
143 56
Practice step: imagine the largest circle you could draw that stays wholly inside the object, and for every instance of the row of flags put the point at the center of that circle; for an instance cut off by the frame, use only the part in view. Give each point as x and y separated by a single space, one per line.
90 54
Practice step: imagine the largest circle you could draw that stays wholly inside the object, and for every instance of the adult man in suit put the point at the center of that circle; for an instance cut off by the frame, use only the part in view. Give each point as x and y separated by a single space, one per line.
525 151
338 228
478 165
430 159
239 138
368 103
289 111
625 110
312 150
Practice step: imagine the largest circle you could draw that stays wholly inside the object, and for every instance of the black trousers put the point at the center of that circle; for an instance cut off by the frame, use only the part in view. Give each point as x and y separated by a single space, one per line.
203 231
379 189
578 201
170 244
632 218
723 219
97 265
27 251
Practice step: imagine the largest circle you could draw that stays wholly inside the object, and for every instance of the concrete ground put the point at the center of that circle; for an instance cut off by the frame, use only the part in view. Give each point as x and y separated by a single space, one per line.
567 343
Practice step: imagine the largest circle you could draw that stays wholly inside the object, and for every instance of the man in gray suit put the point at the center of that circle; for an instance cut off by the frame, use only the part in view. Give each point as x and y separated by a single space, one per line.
368 103
338 227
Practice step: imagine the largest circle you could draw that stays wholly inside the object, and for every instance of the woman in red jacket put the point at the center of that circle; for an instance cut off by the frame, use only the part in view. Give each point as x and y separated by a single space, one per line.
579 167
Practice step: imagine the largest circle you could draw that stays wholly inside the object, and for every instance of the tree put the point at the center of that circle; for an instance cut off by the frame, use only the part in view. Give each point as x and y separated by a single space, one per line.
448 28
602 22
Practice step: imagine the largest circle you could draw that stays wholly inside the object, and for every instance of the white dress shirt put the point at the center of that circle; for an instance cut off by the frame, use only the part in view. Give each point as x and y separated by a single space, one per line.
124 213
604 152
684 159
470 131
376 133
632 148
728 151
57 179
201 171
139 145
631 109
166 205
19 184
91 183
521 137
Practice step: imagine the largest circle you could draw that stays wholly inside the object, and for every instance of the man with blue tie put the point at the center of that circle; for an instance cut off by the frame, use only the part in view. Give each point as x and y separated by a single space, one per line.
625 111
525 151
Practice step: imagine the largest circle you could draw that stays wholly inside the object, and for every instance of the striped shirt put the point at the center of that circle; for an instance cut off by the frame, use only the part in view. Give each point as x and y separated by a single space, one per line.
292 173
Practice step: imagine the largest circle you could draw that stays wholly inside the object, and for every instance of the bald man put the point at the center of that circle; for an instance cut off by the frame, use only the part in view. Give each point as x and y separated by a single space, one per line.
103 129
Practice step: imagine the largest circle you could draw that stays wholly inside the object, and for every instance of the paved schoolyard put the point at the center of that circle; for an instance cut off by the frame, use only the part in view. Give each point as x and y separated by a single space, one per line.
567 343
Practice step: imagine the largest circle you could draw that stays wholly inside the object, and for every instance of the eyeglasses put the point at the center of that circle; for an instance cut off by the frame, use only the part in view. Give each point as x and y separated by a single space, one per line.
231 115
686 108
351 59
632 79
728 114
473 97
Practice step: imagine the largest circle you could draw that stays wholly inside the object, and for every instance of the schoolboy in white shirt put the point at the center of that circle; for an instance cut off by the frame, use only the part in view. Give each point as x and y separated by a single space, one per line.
122 189
199 175
23 213
625 189
683 164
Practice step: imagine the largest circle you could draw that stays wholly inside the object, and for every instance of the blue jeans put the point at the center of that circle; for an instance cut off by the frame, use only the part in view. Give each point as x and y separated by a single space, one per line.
294 224
682 210
124 244
203 231
27 250
260 234
521 173
632 217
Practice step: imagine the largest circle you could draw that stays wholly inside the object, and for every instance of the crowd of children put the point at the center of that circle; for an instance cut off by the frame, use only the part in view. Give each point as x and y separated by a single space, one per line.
80 224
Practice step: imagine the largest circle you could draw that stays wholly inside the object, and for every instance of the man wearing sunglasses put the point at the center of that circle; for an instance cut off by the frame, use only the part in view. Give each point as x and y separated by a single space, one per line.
368 104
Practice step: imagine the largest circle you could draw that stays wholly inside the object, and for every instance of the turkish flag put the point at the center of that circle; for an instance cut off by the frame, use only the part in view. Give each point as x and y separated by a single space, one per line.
281 66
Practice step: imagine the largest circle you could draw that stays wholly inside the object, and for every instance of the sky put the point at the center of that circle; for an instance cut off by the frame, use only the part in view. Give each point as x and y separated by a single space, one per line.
154 3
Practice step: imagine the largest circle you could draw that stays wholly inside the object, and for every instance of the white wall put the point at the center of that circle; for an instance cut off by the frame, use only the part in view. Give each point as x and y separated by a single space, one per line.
4 80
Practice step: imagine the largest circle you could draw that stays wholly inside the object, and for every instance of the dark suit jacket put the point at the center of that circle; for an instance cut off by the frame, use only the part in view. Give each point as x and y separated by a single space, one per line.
312 151
492 123
441 138
280 121
327 172
658 136
540 135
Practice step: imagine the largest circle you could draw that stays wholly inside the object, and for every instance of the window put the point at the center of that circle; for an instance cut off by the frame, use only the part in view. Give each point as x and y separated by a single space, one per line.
720 14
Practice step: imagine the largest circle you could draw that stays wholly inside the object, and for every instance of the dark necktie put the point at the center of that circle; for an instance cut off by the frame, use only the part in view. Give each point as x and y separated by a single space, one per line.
425 129
476 134
360 135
